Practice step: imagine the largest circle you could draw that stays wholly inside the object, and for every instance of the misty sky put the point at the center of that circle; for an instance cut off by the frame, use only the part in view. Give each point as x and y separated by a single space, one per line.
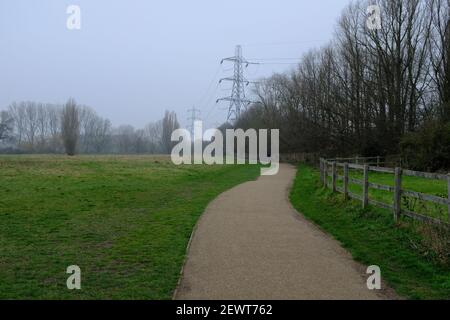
132 59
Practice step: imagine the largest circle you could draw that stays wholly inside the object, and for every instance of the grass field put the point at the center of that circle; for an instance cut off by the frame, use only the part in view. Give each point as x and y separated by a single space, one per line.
125 221
372 237
427 186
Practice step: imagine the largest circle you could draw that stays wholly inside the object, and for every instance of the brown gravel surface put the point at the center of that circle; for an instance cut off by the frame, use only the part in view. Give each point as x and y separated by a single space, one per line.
252 244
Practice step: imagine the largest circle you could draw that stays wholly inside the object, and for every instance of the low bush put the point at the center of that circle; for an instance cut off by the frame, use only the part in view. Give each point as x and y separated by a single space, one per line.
427 149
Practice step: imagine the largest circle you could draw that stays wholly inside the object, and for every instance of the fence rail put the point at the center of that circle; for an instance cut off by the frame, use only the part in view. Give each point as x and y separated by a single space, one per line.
329 168
312 158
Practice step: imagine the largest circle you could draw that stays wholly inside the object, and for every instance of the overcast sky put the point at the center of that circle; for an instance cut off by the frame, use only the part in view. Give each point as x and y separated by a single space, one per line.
132 59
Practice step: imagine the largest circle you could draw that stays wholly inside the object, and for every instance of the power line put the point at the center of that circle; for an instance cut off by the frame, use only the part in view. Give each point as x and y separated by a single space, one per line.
268 44
213 104
277 63
276 59
205 99
213 80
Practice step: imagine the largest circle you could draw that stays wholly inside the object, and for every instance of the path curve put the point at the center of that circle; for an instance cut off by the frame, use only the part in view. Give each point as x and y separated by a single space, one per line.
252 244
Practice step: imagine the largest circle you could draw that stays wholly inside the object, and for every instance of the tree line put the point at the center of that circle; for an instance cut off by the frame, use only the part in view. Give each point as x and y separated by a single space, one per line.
31 127
369 91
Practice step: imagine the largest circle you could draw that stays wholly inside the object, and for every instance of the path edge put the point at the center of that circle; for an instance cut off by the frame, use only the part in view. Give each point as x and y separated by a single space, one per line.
387 292
194 230
186 254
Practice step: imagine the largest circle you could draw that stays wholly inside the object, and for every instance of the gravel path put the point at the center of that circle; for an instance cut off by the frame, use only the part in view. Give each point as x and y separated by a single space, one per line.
251 244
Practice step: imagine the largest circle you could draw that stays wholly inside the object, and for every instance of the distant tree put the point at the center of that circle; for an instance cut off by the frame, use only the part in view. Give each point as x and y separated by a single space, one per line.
101 135
70 126
30 120
170 124
139 141
6 125
88 119
125 139
16 111
153 136
54 127
94 131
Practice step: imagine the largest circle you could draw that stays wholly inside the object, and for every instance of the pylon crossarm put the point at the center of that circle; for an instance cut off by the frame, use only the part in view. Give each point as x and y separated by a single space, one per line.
227 79
234 100
228 59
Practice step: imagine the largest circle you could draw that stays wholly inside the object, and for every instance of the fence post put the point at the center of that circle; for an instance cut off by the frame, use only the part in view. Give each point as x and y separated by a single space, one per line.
321 170
365 200
333 177
398 194
448 193
324 168
346 181
378 161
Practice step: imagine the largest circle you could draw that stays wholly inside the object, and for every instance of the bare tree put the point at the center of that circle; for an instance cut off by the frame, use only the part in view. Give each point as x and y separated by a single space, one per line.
17 113
368 88
6 125
139 141
42 126
70 126
54 127
439 47
31 124
38 127
101 135
153 134
169 124
124 138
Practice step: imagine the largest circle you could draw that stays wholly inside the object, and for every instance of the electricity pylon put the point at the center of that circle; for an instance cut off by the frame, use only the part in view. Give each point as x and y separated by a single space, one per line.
237 100
195 116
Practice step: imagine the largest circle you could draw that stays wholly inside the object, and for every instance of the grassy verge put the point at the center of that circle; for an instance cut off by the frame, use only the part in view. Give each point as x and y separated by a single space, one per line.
372 237
125 221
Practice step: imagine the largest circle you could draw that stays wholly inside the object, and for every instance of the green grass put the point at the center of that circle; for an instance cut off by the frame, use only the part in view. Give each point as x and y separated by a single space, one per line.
427 186
372 237
125 221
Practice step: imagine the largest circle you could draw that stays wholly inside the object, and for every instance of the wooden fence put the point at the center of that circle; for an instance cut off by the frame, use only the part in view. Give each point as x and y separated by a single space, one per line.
389 161
311 158
397 190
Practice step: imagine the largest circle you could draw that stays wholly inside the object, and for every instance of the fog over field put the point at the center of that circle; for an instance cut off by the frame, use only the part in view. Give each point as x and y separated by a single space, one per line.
132 60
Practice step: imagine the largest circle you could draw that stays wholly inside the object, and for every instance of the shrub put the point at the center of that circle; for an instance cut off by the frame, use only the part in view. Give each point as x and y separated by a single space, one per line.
427 149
